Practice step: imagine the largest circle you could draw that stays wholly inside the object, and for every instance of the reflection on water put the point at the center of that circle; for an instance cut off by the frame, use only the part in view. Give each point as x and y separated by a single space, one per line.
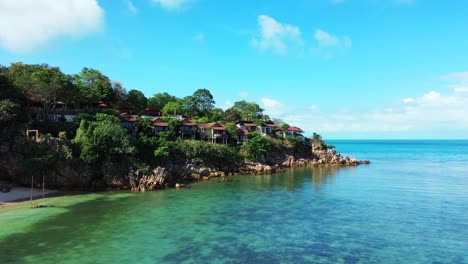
380 213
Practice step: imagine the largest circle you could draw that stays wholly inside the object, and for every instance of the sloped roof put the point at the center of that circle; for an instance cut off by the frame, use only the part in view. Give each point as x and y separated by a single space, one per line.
152 112
295 129
242 132
187 122
246 123
212 125
34 97
128 118
160 123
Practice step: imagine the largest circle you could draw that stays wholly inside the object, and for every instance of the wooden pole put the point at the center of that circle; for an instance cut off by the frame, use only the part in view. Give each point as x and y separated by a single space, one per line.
32 186
43 187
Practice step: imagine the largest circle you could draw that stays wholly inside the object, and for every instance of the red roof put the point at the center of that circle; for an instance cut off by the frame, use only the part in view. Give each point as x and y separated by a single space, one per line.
152 112
271 125
187 122
159 122
242 132
102 104
128 118
247 123
33 97
295 129
214 126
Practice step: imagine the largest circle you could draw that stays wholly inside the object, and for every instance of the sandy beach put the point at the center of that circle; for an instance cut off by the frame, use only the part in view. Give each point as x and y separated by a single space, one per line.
20 193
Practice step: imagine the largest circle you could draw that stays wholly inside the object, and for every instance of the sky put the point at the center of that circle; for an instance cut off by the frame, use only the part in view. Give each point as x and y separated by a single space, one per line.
347 69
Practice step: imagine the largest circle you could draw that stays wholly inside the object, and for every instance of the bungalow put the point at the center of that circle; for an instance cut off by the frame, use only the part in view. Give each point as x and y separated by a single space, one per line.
215 131
57 111
129 122
267 129
188 128
247 125
151 113
160 125
242 135
290 131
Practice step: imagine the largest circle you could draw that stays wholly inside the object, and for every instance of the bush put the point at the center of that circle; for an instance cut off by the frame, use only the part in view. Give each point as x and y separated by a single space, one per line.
256 147
209 153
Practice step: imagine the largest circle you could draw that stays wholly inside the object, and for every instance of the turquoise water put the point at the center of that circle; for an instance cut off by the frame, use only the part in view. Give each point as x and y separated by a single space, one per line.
409 206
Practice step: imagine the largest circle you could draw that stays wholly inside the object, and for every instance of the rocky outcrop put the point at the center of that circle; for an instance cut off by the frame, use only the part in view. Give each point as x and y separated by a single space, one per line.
157 179
329 157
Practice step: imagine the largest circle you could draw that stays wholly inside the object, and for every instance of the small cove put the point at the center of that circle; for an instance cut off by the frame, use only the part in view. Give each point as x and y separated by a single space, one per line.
409 206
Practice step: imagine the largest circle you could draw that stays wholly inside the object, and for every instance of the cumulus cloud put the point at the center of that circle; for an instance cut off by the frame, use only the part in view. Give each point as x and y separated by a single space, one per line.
428 112
30 24
276 36
280 37
173 4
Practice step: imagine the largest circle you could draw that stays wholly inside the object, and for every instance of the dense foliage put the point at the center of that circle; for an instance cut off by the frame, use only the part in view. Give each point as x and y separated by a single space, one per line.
96 138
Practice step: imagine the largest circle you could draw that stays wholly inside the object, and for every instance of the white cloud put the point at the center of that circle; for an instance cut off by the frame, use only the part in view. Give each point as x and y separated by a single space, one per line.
27 25
408 100
173 4
131 7
411 116
458 81
325 39
274 108
199 37
276 36
327 44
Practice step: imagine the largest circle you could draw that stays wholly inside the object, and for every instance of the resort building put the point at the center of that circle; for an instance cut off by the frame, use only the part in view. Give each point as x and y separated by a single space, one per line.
215 132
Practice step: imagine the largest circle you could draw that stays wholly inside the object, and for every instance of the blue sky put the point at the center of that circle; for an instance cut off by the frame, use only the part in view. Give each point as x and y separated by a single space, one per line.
344 68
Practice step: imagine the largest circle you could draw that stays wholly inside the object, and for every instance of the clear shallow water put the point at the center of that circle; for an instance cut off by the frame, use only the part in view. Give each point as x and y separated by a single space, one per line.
409 206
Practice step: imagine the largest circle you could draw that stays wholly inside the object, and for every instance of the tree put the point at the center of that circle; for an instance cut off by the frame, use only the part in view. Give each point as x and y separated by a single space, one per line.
159 100
12 115
199 104
256 147
317 140
231 115
104 144
120 95
136 100
172 108
95 86
53 86
231 128
248 111
216 115
48 82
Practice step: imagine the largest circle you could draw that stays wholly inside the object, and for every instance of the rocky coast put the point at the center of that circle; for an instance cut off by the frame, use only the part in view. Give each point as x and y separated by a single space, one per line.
177 175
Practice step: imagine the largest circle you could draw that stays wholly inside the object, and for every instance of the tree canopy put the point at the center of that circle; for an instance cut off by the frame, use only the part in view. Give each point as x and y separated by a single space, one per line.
159 100
136 100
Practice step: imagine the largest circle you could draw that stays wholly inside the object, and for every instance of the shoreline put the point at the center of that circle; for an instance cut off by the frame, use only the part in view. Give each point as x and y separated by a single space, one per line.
19 194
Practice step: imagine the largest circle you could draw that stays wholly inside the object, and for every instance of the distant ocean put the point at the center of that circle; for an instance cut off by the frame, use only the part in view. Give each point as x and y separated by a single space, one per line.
410 205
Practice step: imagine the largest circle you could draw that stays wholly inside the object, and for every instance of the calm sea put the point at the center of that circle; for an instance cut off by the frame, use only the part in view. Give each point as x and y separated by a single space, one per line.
409 206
